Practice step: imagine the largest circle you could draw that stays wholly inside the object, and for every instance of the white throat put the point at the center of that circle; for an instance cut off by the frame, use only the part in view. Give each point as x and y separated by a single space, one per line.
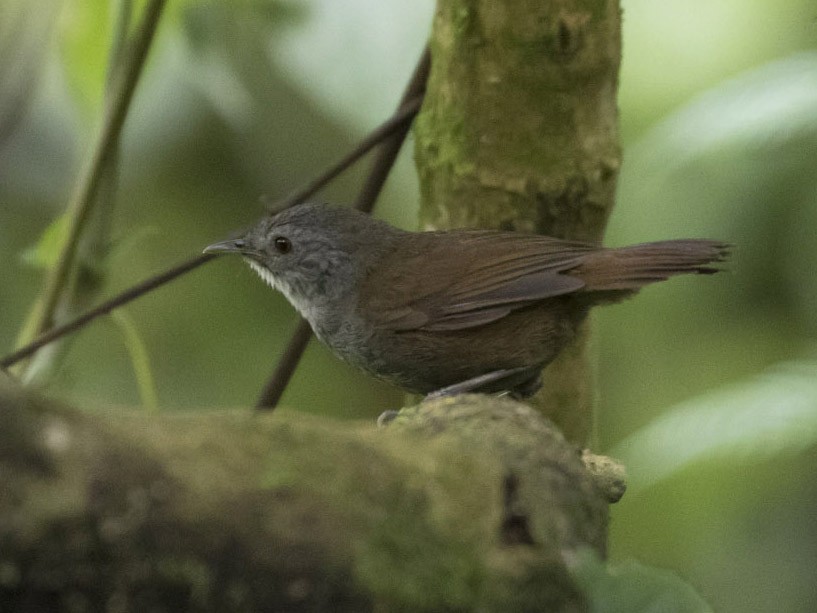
303 307
263 272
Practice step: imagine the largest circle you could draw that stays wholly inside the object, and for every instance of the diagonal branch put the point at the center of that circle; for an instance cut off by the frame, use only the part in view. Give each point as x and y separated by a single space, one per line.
103 309
395 123
386 156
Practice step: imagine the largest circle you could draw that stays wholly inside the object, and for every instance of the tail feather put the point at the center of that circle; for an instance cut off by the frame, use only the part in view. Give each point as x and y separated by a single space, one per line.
629 269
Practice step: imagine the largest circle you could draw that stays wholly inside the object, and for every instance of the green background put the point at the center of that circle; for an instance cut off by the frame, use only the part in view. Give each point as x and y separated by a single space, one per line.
707 386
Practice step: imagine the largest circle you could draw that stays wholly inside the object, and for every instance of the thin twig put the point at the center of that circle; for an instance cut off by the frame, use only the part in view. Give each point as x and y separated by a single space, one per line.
84 195
383 163
120 27
396 122
104 308
387 153
93 239
277 383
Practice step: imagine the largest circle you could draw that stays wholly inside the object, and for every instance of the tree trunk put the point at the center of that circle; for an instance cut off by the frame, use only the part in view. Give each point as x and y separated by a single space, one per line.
519 131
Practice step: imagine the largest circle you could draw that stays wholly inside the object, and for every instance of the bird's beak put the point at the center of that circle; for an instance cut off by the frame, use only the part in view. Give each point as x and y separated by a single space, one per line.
234 245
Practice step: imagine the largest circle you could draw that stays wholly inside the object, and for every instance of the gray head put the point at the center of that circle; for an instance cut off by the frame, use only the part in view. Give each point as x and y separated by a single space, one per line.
313 253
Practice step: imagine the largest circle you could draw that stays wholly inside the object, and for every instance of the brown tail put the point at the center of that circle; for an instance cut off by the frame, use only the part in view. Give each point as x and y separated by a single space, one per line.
628 269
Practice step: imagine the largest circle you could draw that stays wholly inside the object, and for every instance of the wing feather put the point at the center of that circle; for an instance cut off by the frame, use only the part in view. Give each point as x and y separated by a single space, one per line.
434 283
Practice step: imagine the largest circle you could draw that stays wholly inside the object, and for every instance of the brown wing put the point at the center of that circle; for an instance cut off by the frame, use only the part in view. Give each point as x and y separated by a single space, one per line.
461 279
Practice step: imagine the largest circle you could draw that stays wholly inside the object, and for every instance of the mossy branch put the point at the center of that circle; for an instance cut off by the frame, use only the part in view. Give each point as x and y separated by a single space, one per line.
464 504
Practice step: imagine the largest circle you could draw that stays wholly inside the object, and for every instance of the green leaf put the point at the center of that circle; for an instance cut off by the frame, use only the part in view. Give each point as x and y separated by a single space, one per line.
764 108
43 255
631 587
84 42
728 150
772 414
86 33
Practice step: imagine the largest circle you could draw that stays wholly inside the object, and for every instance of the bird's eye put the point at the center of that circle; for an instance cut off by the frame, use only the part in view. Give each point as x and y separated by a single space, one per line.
282 244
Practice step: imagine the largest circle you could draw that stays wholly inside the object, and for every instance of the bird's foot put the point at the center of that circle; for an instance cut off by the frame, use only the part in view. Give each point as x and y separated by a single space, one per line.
527 387
386 417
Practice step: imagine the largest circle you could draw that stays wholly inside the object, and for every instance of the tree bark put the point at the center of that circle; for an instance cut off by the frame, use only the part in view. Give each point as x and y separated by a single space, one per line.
460 505
519 131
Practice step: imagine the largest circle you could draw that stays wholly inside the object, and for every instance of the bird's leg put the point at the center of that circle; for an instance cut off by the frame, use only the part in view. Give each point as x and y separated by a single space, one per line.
519 387
527 387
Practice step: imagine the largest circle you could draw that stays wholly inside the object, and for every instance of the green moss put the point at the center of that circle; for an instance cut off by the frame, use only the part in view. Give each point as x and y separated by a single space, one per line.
188 571
226 511
408 560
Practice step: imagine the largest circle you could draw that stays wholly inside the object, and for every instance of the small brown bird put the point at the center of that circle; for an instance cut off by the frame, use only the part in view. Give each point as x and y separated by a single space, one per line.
456 310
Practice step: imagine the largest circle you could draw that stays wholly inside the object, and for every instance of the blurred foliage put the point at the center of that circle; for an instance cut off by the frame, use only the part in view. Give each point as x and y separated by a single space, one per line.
140 360
23 27
243 98
673 50
43 255
630 587
744 423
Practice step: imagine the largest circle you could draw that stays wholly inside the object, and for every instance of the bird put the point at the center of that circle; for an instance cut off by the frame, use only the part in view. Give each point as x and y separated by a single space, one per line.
445 312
